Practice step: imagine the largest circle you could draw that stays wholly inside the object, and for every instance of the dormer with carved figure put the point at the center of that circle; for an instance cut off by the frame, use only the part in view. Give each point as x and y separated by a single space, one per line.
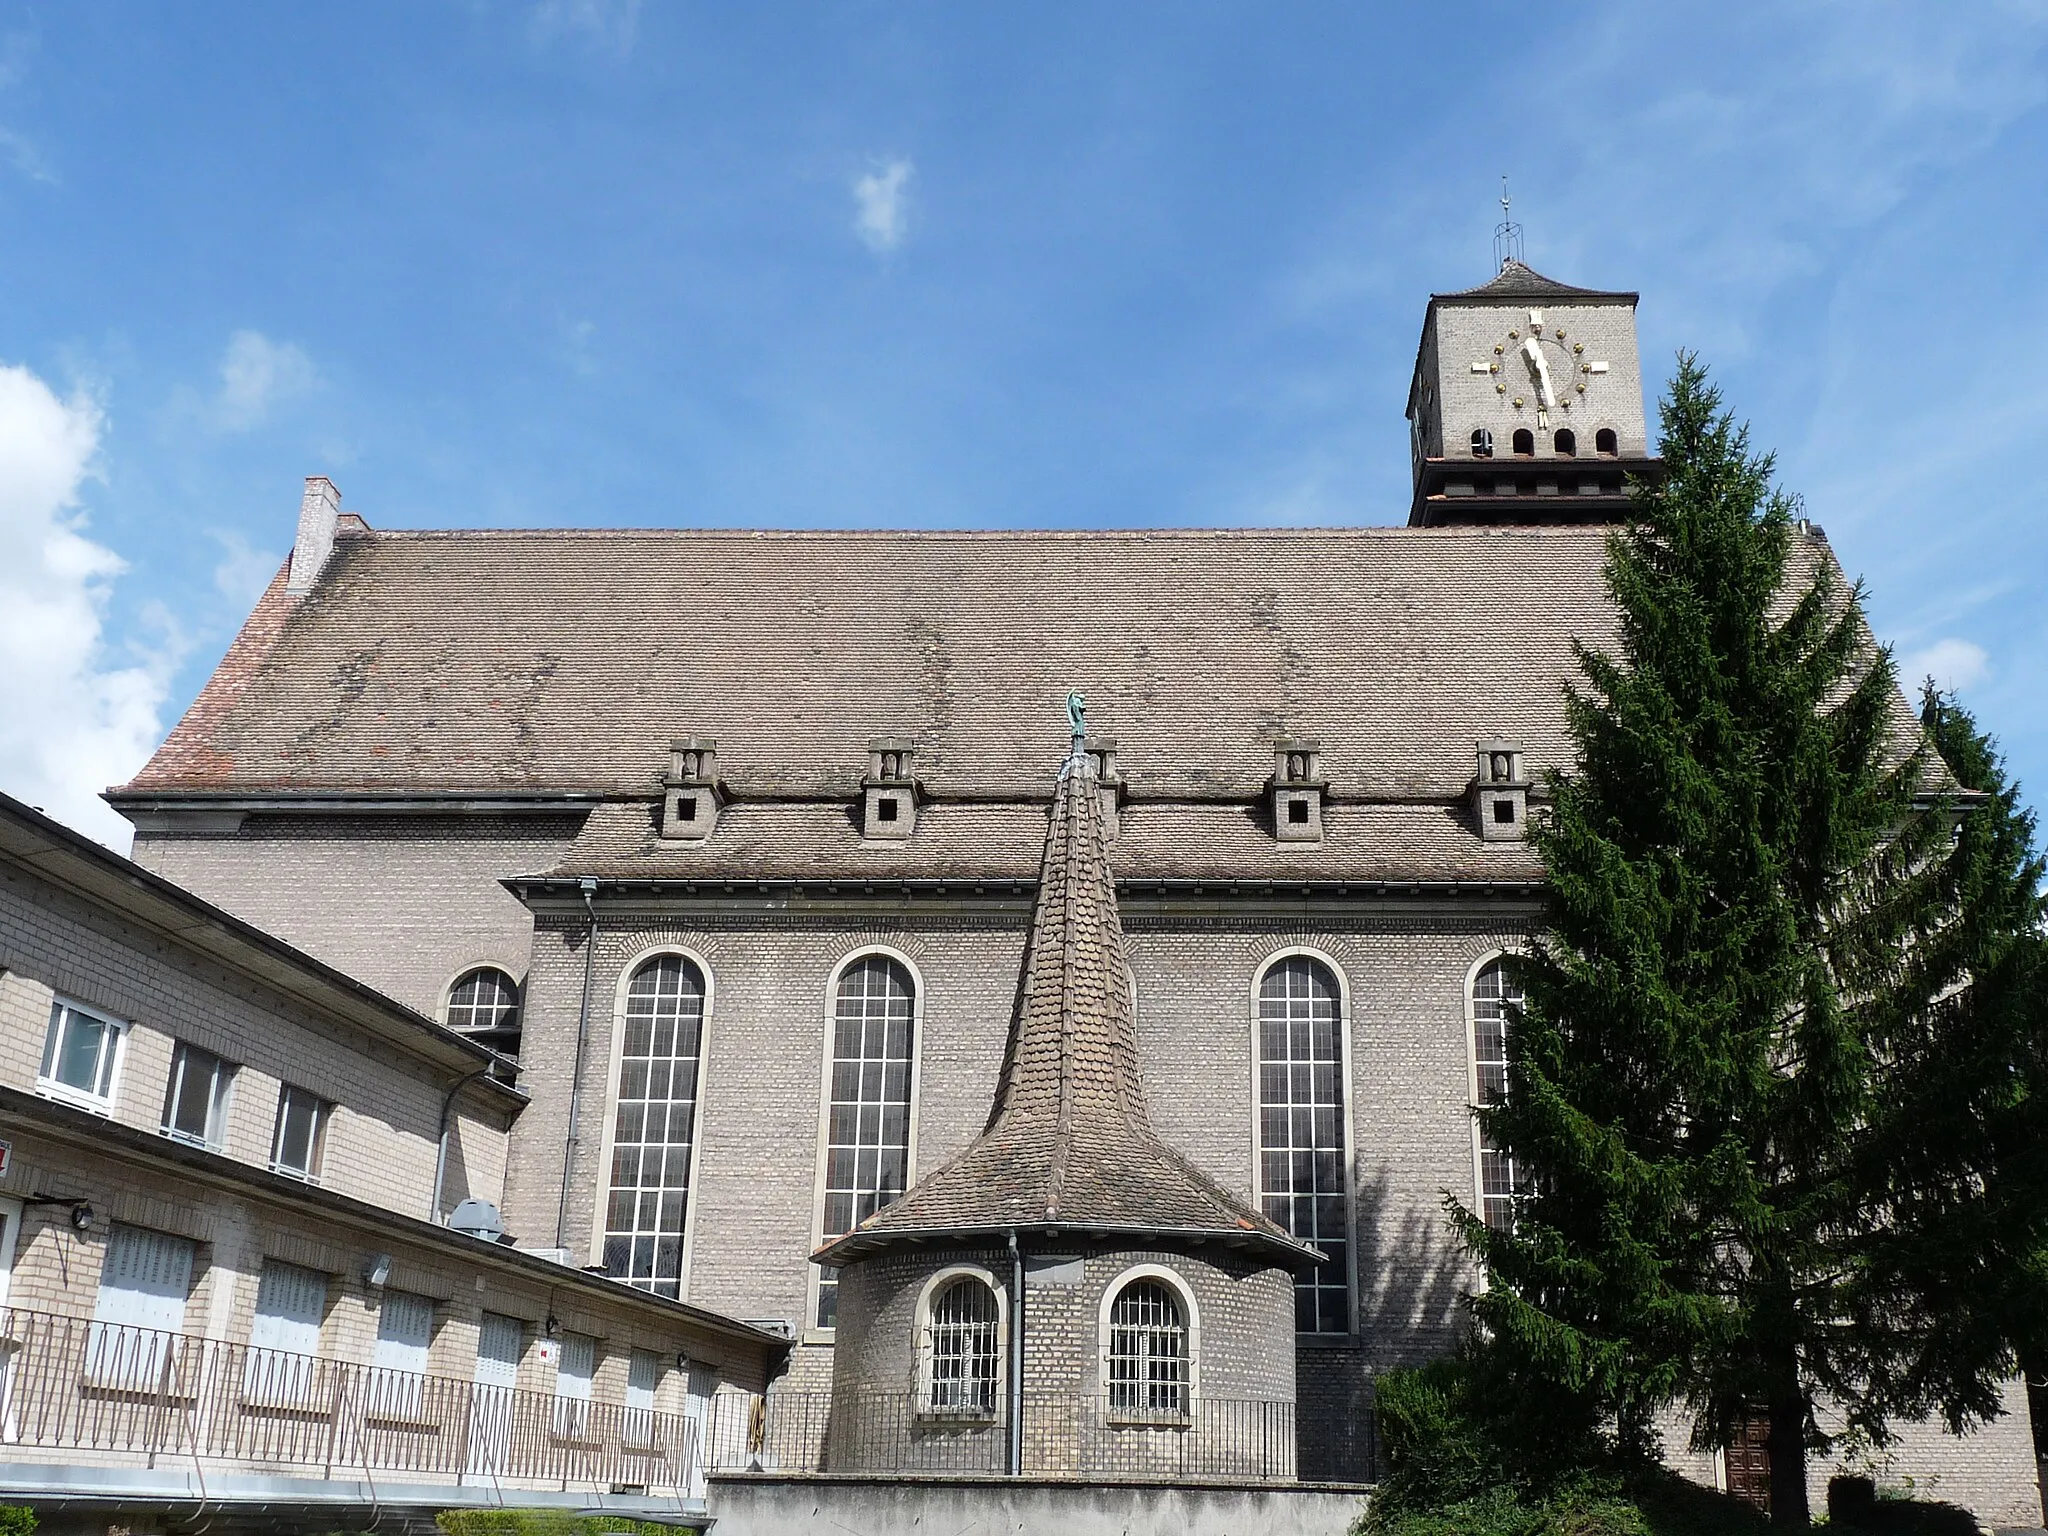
1297 789
690 794
1527 404
889 792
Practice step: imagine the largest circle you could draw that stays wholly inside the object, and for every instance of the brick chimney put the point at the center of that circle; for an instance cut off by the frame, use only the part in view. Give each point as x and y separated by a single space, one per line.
318 513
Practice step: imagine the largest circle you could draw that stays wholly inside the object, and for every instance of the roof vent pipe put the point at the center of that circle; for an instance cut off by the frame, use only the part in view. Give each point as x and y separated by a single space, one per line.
319 511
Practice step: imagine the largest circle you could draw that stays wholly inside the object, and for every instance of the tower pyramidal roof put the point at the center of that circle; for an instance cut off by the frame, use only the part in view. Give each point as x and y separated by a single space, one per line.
1069 1146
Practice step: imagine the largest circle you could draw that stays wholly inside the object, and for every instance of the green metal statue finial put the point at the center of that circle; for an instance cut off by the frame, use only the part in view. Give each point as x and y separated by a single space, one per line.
1077 711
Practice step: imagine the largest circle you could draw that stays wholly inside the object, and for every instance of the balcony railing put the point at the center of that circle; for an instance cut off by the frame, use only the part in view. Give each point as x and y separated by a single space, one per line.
1066 1435
122 1395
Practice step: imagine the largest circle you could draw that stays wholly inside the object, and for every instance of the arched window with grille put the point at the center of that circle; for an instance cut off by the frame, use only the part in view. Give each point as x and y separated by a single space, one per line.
1301 1130
1148 1357
484 1004
867 1113
1496 996
1482 443
654 1124
962 1347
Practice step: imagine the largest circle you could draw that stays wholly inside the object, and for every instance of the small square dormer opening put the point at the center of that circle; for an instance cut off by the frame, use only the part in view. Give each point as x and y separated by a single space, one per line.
1297 790
1109 781
690 795
1500 792
889 793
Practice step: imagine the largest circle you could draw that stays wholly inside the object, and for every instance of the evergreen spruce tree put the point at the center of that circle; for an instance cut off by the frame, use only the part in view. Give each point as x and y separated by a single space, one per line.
1744 1194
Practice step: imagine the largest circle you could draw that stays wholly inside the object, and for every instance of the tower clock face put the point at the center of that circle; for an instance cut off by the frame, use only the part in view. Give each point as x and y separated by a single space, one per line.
1541 368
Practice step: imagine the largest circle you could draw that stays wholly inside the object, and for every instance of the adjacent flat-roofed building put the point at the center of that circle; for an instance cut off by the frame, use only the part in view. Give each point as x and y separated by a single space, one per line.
735 839
230 1290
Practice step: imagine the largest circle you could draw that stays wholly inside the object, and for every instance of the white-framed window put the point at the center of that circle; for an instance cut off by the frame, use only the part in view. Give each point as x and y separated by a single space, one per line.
575 1370
138 1316
484 1004
654 1122
961 1345
867 1113
1148 1349
196 1099
1496 997
301 1134
1302 1156
80 1055
284 1336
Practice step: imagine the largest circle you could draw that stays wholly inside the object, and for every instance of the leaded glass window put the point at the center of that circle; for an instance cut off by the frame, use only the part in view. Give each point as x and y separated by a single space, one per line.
1148 1351
484 1004
1496 995
1301 1130
867 1138
653 1125
961 1348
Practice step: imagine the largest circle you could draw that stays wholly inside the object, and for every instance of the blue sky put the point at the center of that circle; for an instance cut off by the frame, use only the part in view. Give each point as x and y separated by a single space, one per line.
597 263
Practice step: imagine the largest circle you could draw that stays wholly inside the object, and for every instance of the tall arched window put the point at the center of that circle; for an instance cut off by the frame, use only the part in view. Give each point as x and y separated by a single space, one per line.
1301 1130
1148 1351
1496 994
484 1004
961 1346
654 1124
867 1135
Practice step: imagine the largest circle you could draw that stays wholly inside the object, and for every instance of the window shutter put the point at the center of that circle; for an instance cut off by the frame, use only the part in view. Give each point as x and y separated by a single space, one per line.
497 1350
145 1280
405 1328
291 1302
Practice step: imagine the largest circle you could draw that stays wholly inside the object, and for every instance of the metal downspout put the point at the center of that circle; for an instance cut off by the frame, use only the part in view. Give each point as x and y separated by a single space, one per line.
588 887
441 1147
1016 1357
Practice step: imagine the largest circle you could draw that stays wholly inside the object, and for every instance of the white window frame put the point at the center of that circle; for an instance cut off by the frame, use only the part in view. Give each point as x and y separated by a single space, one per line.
1258 1181
509 972
811 1332
62 1009
316 1150
1192 1321
1472 1073
217 1112
600 1215
936 1286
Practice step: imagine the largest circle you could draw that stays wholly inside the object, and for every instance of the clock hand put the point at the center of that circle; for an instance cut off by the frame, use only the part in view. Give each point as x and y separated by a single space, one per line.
1539 369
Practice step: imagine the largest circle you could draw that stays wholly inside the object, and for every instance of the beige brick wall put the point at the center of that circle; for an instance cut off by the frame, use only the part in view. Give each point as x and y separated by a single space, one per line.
381 1138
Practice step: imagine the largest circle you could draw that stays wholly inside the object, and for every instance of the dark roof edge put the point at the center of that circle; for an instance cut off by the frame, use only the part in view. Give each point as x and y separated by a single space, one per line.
64 851
529 886
859 1243
427 802
65 1119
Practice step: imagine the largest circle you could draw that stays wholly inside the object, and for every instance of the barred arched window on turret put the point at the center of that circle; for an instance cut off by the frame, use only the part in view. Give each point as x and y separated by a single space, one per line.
962 1347
654 1125
1148 1357
1496 996
867 1132
1301 1130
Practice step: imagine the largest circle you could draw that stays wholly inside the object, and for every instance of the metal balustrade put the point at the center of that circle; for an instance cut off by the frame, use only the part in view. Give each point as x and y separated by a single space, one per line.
125 1395
1066 1435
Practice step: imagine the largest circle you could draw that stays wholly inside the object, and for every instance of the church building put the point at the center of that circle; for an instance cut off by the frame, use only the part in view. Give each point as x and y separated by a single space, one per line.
1076 1093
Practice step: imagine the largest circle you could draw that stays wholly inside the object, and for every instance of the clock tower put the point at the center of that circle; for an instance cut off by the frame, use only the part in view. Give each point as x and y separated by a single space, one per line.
1527 404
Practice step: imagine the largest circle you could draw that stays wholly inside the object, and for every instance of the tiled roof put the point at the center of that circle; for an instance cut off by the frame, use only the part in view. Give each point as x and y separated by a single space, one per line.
1515 282
1070 1145
496 661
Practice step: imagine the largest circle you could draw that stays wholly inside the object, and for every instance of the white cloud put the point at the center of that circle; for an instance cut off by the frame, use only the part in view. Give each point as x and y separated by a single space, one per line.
881 201
608 24
242 573
1951 662
73 718
255 374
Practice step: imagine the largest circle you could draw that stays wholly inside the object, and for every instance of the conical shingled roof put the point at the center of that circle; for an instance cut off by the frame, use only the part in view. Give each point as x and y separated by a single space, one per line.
1069 1145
